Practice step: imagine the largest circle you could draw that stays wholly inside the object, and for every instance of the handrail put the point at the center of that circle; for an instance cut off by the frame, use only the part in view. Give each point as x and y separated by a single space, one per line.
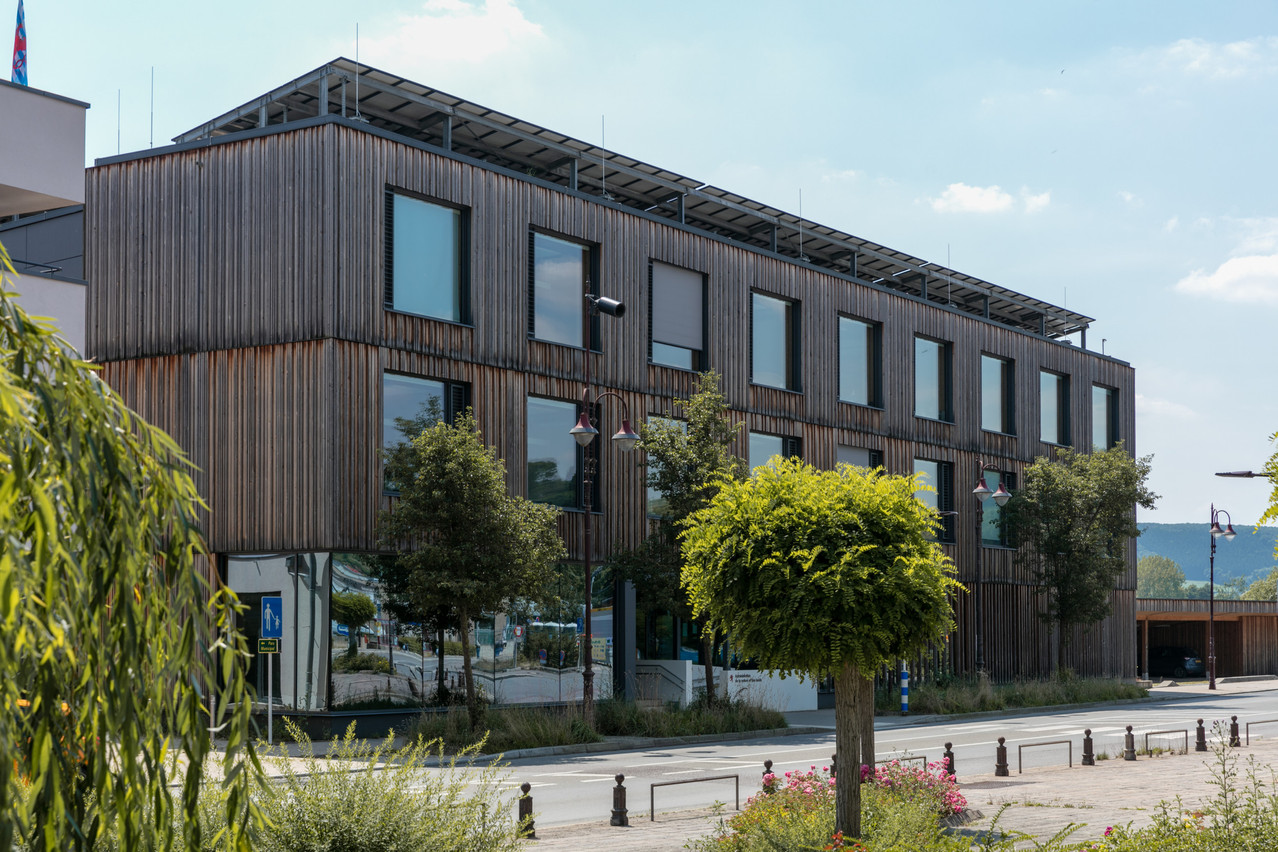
1184 731
652 790
1257 722
1020 749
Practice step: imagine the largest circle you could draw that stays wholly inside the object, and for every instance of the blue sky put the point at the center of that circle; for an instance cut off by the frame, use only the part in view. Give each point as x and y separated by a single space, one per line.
1113 158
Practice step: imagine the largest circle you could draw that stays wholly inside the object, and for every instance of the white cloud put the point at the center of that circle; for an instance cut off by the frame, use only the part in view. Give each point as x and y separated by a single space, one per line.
454 31
835 177
1035 203
1249 279
1217 61
961 198
1148 406
1171 224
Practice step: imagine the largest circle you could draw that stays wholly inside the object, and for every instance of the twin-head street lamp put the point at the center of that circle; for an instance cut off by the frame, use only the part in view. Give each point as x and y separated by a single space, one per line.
584 433
1227 534
1000 497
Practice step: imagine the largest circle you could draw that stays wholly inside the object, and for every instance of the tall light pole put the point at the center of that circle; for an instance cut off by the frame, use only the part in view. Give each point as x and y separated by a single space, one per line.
1000 497
1227 534
584 433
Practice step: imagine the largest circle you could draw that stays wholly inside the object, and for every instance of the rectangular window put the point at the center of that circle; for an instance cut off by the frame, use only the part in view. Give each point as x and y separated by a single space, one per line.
559 273
1104 418
553 456
774 342
426 253
997 395
858 456
657 502
939 475
860 361
933 363
763 448
1053 408
423 401
677 320
991 531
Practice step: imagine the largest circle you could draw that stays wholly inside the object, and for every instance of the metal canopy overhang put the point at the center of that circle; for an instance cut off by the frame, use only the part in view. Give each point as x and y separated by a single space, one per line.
432 117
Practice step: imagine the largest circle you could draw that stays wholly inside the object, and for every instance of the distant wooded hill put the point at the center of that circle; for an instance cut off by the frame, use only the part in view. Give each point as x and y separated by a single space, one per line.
1248 555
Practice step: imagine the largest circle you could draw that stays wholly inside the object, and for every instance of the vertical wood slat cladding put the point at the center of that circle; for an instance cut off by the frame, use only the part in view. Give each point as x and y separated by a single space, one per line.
238 303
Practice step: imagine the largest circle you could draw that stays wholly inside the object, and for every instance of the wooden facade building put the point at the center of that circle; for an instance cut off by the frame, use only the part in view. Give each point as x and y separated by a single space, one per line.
251 295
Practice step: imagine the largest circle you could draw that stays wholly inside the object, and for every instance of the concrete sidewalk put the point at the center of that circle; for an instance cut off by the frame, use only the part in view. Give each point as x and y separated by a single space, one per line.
1039 803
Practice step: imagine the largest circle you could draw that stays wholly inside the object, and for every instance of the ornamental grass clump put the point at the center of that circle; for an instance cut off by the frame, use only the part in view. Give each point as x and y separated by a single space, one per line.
375 798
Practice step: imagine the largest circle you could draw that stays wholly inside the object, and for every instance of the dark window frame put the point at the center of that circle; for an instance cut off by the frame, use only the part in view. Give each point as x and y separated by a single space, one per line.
794 367
456 399
875 390
388 254
791 445
700 359
1064 392
944 487
1007 390
946 370
1111 427
590 286
582 454
1008 480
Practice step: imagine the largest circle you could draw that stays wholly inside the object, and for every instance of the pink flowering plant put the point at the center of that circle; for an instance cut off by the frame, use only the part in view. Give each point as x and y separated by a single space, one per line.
933 784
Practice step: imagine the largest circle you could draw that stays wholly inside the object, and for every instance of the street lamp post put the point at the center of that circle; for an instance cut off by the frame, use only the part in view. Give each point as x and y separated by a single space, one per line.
1227 534
1000 497
584 433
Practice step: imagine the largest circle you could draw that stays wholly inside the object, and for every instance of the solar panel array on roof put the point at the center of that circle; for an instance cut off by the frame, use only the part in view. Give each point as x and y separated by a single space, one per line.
429 116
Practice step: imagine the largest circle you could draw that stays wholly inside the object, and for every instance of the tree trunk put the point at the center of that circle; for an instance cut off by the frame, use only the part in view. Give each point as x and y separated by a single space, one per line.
439 658
472 705
849 695
866 722
707 652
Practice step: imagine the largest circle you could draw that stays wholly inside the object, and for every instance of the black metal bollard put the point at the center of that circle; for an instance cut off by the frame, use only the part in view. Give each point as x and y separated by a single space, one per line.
948 754
1129 745
1000 759
834 760
525 811
1200 743
619 803
1089 750
767 770
1234 741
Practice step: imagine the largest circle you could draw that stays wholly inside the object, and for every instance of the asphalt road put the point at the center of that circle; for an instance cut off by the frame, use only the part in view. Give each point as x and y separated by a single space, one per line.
578 788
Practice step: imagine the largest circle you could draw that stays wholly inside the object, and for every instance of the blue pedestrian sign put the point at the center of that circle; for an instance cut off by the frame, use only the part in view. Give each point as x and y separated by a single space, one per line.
272 617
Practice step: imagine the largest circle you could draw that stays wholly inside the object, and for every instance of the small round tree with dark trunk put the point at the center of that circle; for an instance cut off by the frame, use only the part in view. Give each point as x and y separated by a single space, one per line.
823 572
352 610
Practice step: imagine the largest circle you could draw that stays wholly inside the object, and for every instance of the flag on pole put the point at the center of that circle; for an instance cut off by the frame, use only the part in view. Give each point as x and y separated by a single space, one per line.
20 49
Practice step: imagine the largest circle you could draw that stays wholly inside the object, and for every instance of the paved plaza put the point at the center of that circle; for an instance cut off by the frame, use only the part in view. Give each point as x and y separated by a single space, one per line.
1039 802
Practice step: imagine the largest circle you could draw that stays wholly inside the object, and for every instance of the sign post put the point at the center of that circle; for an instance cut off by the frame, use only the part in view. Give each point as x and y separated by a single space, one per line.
269 644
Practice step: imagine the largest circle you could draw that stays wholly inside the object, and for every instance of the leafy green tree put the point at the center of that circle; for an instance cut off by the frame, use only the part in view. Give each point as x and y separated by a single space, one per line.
1072 520
1264 589
353 611
823 573
116 652
1159 577
459 537
687 461
1271 470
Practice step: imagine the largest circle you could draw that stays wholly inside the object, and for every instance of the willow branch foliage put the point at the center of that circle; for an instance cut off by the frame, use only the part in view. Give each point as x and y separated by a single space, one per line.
811 570
112 636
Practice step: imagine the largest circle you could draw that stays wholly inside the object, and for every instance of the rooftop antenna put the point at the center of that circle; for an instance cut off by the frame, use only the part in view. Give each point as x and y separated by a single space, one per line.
603 144
802 256
152 144
358 117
